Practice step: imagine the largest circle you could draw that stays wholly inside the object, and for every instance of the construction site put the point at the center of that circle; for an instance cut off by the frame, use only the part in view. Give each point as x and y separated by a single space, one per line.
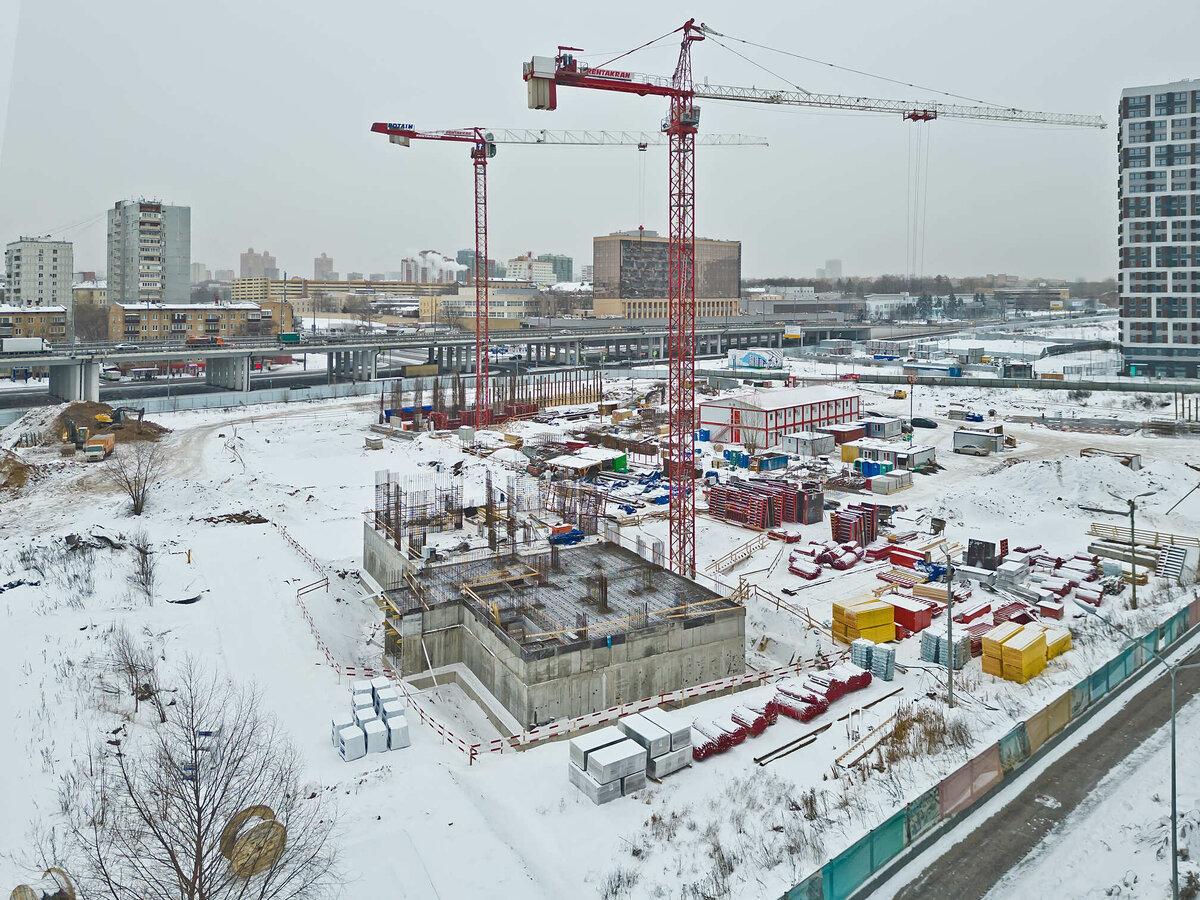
554 625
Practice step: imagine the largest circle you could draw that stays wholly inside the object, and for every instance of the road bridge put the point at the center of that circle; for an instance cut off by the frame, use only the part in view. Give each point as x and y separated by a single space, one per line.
74 372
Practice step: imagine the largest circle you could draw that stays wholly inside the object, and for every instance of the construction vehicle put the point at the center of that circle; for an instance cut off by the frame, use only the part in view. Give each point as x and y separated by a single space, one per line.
206 341
899 395
119 415
99 447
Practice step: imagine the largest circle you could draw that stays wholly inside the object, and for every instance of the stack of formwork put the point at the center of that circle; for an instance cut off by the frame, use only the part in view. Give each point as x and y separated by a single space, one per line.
605 764
858 523
376 721
785 492
1024 653
666 737
869 619
753 509
993 643
812 503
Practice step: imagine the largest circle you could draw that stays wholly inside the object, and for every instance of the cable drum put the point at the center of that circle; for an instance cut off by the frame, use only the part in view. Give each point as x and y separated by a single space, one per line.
253 841
53 885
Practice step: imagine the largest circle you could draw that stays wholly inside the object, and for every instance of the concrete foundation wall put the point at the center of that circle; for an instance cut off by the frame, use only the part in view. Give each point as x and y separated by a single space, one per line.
539 686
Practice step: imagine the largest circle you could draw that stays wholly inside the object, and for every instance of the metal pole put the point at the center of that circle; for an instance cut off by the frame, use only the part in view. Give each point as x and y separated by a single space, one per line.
1174 802
1132 557
949 633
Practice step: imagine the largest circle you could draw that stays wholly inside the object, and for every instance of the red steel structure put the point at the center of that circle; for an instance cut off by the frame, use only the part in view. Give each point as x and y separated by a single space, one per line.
544 74
482 149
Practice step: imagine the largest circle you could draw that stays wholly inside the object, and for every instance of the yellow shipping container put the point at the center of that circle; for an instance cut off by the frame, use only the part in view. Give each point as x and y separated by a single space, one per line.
849 453
994 639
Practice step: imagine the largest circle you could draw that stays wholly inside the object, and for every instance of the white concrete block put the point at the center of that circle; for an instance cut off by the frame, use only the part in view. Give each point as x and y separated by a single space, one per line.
615 761
364 715
679 726
654 738
385 695
632 783
595 791
669 763
397 727
390 709
586 743
362 701
380 682
339 722
360 686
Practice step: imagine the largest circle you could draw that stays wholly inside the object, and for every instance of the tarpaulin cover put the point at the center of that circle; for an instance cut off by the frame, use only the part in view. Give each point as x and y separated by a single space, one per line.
921 815
1014 748
811 888
1120 667
1048 722
844 873
1081 697
959 789
1099 683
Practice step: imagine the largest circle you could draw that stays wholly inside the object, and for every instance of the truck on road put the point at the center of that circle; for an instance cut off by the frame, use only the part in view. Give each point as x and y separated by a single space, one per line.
292 337
23 345
98 447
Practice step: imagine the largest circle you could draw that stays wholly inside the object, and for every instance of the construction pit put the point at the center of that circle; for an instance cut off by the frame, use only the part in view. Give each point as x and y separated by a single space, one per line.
549 631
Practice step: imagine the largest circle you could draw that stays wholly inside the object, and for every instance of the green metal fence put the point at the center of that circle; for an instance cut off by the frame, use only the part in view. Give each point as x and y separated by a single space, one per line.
839 878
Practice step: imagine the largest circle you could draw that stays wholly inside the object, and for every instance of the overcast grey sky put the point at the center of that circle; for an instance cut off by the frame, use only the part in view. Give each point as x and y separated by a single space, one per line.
256 114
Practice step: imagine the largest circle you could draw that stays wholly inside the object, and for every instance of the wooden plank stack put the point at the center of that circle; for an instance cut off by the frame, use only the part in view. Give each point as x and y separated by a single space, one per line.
1024 654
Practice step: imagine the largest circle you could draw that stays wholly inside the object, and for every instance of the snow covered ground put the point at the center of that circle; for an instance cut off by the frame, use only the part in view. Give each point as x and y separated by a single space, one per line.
410 818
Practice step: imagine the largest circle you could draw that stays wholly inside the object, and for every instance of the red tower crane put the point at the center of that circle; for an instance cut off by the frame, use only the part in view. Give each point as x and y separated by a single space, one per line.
543 75
483 147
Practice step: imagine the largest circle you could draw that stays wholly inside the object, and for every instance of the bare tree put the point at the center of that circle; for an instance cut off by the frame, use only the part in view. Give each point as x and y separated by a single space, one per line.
209 806
361 309
144 564
136 470
136 664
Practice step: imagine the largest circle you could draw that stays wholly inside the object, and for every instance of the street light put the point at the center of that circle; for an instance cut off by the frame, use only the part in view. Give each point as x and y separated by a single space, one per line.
1173 669
1132 543
949 629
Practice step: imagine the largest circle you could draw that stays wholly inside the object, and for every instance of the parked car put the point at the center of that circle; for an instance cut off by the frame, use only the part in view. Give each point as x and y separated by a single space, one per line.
849 376
922 422
125 346
972 451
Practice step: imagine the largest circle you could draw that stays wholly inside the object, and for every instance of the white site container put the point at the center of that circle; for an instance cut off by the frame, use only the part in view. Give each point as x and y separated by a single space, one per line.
390 709
669 763
596 792
397 727
339 722
588 743
654 738
377 736
614 762
352 743
679 727
360 686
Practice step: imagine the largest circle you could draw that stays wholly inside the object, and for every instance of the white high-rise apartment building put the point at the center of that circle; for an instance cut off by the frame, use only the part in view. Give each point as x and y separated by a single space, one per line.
39 272
1158 235
526 268
149 252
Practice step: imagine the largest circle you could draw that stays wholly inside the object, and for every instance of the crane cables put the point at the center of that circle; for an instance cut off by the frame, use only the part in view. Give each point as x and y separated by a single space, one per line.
709 32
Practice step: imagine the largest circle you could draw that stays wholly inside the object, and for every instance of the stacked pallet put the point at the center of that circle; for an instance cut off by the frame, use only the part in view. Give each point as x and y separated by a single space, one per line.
749 508
993 643
909 613
936 649
1024 654
976 632
906 557
861 652
969 612
854 677
858 522
1012 612
605 764
869 619
959 590
667 738
883 663
906 577
785 492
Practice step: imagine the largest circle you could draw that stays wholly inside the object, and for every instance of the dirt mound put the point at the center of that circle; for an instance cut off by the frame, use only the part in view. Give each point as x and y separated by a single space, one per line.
83 415
13 473
242 518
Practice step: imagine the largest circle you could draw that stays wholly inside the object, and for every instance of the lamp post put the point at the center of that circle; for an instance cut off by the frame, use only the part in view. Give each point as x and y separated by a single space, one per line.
949 629
1131 511
1173 669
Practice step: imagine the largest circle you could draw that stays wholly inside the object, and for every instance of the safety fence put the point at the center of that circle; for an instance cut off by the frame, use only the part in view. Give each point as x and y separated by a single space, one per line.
839 878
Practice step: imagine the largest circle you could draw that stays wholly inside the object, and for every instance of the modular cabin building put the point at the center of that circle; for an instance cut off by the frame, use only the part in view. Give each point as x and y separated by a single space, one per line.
883 429
900 454
970 437
765 416
807 443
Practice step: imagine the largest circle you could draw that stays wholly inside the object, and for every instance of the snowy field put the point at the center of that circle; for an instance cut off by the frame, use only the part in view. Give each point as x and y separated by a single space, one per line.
408 818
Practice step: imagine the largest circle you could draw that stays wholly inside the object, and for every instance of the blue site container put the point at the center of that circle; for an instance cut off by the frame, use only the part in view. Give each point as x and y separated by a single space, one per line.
702 434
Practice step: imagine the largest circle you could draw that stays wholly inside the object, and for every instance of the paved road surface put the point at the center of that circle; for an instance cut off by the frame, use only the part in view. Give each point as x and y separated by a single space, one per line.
972 867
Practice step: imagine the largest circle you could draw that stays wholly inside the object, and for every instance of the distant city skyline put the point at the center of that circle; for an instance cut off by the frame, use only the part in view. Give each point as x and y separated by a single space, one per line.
993 198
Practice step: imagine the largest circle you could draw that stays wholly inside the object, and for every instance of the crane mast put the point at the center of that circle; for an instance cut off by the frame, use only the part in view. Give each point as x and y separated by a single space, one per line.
543 76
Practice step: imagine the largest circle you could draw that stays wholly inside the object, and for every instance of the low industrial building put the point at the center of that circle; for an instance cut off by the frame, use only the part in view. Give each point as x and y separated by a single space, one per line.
46 322
898 454
550 631
764 416
988 440
807 443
